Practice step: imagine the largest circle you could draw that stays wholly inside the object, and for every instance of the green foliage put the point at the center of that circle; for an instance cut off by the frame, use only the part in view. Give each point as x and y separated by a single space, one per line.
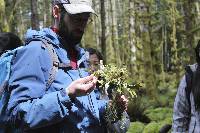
136 127
166 87
165 122
136 109
159 114
116 79
2 6
152 127
113 76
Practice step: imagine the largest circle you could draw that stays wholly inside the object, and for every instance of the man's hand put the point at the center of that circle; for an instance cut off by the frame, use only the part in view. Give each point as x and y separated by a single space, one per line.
122 103
116 108
82 86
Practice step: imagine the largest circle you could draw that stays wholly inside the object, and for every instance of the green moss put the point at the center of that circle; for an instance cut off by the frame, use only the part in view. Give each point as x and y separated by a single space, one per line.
152 127
165 122
136 127
159 114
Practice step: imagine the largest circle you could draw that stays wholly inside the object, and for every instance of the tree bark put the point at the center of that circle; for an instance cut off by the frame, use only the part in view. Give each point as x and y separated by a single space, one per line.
103 29
34 15
47 13
189 22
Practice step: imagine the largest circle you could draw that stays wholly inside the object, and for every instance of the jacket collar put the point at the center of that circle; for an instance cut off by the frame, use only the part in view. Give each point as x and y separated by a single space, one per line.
51 36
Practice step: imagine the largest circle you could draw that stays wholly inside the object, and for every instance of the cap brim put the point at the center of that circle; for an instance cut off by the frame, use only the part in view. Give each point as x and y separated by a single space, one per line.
78 8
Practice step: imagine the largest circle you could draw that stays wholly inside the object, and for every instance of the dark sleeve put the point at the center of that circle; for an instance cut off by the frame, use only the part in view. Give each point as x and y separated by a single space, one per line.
121 126
29 106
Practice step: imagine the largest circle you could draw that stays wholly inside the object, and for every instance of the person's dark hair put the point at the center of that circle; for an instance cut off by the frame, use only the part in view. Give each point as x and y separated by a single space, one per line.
196 79
95 51
9 41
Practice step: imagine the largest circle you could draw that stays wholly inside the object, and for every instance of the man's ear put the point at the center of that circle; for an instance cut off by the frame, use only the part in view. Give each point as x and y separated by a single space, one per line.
56 11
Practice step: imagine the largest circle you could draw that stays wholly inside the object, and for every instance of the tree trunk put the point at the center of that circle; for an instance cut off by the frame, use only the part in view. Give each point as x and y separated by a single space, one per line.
103 29
189 22
114 33
96 24
3 19
131 31
34 15
47 13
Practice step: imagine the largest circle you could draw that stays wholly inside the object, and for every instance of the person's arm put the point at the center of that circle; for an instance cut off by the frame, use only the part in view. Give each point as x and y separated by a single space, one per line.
181 112
29 106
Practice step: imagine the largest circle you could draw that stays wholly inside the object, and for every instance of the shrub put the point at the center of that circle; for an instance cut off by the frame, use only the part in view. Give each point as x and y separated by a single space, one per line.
152 127
136 127
159 114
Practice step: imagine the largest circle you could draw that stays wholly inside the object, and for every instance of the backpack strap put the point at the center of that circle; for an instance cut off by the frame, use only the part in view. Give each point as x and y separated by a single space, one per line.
2 86
49 46
188 77
55 65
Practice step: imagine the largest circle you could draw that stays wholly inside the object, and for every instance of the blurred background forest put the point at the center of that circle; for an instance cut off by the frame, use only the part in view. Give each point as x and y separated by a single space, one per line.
154 39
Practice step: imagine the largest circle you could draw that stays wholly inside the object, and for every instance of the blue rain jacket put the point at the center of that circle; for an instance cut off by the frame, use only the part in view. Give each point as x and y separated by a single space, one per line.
32 108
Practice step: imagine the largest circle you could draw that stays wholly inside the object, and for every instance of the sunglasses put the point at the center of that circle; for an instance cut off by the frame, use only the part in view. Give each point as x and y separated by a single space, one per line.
82 17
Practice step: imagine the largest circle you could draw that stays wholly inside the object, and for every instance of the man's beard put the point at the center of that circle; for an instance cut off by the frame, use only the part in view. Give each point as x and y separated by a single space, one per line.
69 37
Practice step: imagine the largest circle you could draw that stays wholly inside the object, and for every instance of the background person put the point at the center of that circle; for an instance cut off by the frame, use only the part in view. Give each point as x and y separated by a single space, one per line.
94 59
9 41
186 113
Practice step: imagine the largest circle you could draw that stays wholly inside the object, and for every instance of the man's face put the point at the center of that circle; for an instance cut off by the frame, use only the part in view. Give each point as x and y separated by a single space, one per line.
72 27
94 62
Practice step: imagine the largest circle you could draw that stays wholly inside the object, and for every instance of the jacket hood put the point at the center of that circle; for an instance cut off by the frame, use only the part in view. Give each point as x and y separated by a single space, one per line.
46 33
51 36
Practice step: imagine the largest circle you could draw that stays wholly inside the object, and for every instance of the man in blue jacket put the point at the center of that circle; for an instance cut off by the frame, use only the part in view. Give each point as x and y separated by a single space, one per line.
68 104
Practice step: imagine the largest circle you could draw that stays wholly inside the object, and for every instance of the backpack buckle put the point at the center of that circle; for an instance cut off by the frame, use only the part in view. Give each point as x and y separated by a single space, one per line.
56 64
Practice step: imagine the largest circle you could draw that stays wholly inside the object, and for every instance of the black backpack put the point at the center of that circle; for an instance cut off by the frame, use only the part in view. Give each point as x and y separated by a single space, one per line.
189 72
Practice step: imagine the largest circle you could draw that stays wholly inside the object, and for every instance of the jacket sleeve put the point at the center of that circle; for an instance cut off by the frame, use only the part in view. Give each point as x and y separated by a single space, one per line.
181 112
102 104
29 105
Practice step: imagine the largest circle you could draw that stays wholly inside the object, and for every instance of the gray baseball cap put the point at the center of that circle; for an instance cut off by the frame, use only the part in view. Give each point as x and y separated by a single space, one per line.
76 6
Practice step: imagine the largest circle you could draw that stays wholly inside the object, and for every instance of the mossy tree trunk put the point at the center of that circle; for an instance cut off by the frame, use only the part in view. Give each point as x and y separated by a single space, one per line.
103 29
34 15
3 19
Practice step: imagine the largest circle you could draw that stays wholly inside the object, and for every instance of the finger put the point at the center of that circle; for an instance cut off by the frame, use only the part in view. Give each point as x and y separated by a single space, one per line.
124 99
110 102
85 79
89 87
123 103
94 80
